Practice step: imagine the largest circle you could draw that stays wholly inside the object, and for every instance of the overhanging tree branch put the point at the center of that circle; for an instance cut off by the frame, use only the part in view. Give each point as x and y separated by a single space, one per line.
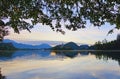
76 12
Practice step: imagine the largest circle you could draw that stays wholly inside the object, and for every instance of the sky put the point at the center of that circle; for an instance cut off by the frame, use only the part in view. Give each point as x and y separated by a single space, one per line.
89 35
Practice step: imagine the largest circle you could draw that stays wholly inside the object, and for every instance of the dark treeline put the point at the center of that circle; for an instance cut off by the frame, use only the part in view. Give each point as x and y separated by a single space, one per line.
7 49
7 46
104 45
112 45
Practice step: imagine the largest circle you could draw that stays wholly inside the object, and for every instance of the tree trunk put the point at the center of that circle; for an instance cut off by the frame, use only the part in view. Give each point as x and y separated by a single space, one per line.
1 39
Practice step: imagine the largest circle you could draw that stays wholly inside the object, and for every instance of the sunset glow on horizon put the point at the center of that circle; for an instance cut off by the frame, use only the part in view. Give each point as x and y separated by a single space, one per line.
89 35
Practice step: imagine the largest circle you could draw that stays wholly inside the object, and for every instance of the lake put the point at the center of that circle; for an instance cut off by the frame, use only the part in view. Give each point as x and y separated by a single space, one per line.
36 64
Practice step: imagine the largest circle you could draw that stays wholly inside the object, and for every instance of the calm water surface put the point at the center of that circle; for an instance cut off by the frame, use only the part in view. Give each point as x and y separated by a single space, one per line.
36 64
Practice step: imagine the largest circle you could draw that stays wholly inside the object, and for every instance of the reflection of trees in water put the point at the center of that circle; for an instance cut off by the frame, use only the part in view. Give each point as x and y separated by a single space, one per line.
22 53
6 53
99 55
1 76
71 54
67 54
108 55
84 53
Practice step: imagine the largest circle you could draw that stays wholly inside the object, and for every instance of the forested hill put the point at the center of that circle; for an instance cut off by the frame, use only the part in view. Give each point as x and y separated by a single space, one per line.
104 45
7 46
70 46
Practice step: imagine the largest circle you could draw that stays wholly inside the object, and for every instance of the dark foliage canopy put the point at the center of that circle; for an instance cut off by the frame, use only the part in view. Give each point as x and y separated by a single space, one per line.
74 13
3 31
104 45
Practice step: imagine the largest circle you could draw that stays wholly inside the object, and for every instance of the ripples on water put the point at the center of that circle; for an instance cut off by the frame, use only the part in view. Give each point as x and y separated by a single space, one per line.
36 64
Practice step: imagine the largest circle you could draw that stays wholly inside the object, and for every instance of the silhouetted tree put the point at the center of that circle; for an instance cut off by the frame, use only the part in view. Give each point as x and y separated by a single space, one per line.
118 37
1 76
74 13
3 30
104 41
104 45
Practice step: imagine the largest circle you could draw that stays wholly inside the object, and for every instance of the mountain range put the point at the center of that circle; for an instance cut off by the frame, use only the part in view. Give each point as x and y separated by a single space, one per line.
71 46
39 42
66 46
26 46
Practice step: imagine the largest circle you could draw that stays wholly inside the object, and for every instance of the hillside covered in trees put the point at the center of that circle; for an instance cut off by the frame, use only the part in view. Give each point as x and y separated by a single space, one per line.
104 45
7 46
70 46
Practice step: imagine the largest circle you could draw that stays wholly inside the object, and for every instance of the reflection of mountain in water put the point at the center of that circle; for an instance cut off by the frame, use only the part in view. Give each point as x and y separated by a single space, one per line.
29 52
71 54
67 54
84 53
38 53
22 53
46 54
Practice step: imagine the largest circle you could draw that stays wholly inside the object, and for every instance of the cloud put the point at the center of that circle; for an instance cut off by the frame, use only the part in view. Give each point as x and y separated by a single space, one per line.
88 35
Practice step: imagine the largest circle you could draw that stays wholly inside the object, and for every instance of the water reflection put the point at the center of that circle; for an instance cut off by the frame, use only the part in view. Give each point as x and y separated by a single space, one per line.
36 64
108 55
70 54
41 54
99 55
22 53
7 55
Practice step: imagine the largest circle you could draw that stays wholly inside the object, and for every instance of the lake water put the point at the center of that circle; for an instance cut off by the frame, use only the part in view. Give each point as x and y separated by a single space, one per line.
36 64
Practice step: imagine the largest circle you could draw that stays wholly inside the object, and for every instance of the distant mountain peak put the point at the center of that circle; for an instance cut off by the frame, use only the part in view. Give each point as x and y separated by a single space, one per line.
26 46
71 45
